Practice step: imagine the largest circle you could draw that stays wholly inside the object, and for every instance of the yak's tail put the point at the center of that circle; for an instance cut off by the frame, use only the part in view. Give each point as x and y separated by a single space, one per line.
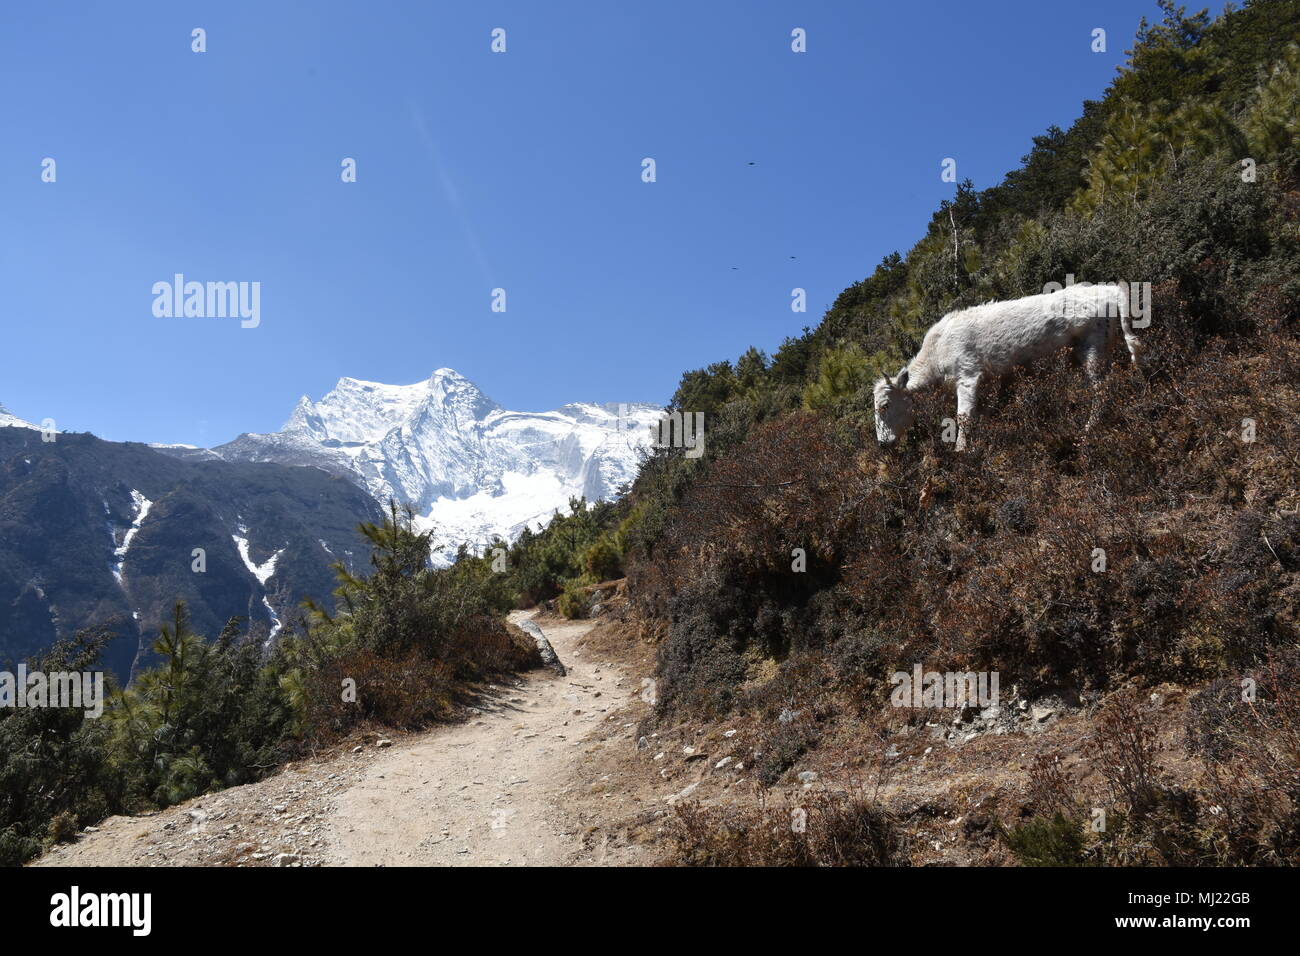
1126 324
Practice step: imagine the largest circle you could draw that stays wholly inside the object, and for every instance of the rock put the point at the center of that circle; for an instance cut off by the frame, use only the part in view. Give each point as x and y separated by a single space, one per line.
991 713
1040 714
728 733
285 859
357 749
787 716
682 794
549 657
808 777
643 744
722 763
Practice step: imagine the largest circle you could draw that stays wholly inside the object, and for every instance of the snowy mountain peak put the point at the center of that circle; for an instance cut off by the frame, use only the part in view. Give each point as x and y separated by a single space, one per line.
356 411
8 420
472 469
454 392
305 418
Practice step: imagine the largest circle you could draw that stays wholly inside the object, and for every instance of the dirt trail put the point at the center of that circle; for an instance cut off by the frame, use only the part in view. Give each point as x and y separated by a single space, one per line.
500 789
487 792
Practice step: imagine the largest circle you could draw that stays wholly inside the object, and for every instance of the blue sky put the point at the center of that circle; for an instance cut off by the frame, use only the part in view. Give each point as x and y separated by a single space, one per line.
475 171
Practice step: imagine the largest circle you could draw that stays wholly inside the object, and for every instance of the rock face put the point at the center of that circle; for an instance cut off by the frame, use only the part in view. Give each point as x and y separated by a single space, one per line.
471 469
96 533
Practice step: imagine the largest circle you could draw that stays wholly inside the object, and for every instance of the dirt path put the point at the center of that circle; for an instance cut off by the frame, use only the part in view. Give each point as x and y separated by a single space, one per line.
490 792
499 789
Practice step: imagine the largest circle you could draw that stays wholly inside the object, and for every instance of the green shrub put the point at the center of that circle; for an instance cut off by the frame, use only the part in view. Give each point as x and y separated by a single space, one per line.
15 848
584 542
603 561
1039 841
574 601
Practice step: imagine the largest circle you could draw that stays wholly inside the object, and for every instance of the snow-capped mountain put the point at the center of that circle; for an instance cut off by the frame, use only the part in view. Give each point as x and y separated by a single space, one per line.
111 534
472 469
8 420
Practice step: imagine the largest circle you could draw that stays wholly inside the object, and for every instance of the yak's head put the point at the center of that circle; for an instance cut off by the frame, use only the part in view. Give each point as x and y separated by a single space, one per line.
894 415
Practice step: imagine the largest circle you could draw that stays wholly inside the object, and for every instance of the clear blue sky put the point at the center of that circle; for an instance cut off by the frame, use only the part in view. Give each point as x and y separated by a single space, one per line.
477 170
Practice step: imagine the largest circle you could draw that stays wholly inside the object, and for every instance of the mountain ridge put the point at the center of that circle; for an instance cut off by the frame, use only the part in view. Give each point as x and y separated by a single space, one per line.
102 533
111 534
473 470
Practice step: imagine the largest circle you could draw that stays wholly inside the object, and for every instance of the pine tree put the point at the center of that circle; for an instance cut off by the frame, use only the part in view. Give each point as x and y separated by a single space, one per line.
1272 120
842 374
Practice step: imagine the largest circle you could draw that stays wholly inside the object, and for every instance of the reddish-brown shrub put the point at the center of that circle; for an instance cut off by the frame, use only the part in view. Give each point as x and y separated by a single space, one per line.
807 829
414 689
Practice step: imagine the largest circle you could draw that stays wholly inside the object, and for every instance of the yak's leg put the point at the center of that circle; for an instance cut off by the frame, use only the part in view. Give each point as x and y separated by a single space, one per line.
1131 340
966 399
1094 349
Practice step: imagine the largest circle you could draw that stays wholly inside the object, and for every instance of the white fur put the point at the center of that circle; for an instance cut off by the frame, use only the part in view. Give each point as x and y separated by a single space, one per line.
966 347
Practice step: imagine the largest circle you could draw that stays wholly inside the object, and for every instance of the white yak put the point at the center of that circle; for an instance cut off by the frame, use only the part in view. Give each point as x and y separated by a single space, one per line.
988 341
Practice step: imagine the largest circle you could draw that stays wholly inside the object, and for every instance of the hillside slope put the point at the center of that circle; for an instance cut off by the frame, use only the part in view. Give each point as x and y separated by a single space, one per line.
796 567
97 533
